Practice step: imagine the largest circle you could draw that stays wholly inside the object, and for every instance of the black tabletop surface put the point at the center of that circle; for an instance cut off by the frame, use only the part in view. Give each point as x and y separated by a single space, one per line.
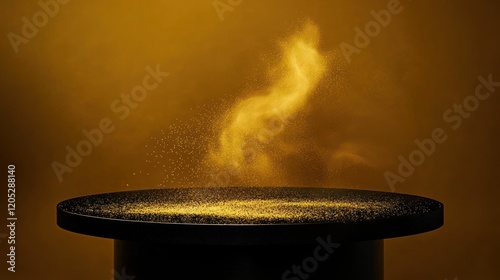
249 215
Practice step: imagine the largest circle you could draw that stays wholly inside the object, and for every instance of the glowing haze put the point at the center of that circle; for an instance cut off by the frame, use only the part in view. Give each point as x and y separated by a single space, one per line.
247 128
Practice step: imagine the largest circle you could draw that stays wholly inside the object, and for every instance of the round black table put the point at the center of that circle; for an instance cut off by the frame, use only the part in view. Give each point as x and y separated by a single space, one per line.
250 232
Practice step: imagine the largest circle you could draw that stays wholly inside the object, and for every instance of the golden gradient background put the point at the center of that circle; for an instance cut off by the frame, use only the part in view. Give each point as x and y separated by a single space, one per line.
395 90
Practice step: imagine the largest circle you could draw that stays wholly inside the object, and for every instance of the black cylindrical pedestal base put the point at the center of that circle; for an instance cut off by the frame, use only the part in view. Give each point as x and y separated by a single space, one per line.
254 233
322 260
